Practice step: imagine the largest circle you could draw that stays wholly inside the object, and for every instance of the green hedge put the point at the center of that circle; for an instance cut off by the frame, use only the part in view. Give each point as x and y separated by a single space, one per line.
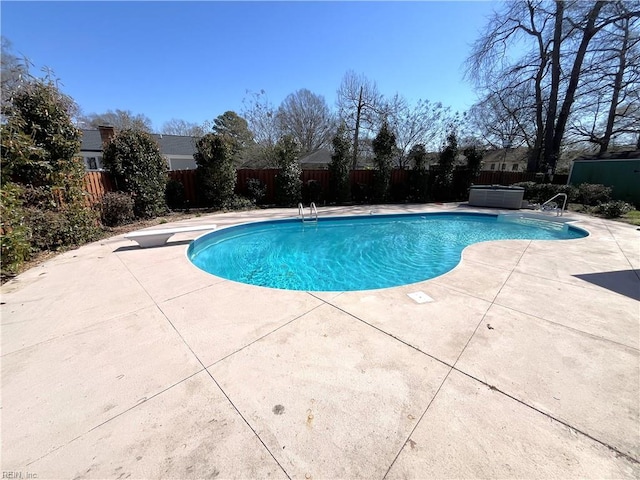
216 174
134 160
15 239
585 193
116 208
613 209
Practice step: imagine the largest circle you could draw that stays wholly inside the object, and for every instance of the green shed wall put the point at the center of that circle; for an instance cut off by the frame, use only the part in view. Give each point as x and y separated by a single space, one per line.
622 175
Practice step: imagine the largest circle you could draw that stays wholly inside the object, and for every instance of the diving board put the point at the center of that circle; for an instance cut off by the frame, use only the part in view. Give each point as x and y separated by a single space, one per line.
158 237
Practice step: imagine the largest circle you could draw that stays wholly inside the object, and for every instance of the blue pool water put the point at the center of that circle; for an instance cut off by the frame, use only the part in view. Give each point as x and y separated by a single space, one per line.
358 253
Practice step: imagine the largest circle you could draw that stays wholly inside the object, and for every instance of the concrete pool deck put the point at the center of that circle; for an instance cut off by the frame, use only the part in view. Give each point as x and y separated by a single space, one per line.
121 362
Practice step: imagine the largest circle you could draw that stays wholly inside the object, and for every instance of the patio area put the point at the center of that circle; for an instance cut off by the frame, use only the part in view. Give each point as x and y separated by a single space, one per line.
121 362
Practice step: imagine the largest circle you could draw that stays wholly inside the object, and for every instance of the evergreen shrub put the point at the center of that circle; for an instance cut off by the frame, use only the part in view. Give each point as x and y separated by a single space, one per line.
134 160
613 209
216 173
15 238
288 181
174 194
256 190
116 208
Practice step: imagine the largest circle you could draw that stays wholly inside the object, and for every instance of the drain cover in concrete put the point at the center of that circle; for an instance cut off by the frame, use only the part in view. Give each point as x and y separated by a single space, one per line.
420 297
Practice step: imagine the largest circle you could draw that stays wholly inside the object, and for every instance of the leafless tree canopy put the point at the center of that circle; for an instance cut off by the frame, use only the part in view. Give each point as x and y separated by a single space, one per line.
358 93
608 104
121 119
260 114
505 116
177 126
307 118
360 108
12 71
422 123
578 63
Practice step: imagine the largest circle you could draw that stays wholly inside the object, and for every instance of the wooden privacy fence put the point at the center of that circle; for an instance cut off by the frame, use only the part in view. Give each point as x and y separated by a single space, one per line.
97 184
188 180
267 176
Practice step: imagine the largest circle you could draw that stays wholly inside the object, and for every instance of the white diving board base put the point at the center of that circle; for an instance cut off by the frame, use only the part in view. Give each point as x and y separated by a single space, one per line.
156 238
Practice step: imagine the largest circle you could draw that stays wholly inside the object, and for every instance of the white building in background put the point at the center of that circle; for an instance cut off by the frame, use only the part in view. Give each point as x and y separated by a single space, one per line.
178 150
505 160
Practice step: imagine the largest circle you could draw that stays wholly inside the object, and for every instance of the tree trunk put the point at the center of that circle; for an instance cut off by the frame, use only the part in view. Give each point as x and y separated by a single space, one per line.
354 163
552 151
535 155
617 86
552 106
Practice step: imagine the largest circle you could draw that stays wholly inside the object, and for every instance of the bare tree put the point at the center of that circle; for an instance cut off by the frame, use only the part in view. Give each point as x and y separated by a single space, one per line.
422 123
360 107
260 115
505 116
13 71
607 106
307 118
556 37
121 119
624 108
177 126
524 23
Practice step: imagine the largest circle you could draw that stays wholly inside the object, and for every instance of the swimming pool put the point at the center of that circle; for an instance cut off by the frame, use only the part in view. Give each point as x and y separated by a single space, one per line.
358 252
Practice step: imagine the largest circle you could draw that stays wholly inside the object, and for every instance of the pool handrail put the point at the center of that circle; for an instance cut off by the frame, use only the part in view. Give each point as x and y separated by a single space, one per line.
313 212
564 204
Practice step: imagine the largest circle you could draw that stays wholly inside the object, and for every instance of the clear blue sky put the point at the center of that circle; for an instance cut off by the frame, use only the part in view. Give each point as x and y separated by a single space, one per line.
196 60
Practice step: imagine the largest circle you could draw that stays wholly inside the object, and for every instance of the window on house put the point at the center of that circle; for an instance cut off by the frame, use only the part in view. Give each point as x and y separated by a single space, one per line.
493 166
504 166
92 163
514 167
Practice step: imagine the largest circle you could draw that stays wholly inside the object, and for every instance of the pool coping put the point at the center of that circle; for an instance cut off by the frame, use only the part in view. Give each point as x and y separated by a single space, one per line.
239 228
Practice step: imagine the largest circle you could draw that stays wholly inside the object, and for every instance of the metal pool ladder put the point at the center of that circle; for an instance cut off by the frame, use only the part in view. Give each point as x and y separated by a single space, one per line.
313 213
551 205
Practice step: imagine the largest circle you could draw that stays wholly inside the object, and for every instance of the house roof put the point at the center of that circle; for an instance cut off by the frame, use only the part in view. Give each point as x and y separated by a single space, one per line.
169 144
615 155
176 144
91 141
509 155
320 158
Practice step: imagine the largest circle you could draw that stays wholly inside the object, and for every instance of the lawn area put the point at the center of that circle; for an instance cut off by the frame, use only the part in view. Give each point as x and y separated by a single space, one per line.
632 217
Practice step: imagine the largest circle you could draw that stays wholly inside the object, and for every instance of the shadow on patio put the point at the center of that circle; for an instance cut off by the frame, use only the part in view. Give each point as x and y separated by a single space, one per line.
624 282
